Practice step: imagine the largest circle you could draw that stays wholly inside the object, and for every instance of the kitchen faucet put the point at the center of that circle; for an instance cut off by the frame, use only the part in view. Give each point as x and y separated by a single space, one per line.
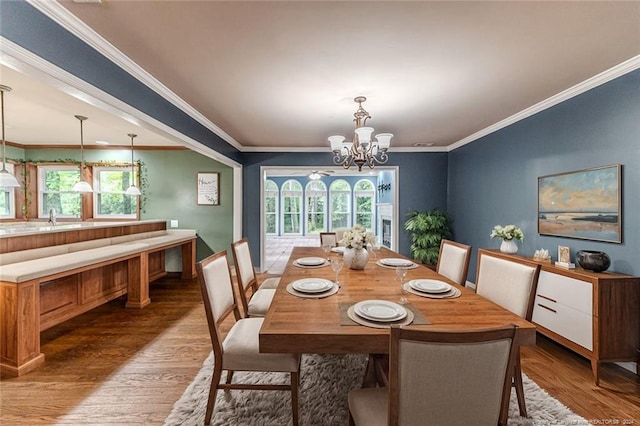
52 217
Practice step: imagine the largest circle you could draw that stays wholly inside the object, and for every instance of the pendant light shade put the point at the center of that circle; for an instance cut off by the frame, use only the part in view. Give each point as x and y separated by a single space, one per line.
7 180
81 186
133 189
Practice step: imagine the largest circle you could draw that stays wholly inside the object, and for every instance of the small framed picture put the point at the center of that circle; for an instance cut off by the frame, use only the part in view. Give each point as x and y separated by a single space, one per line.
208 185
564 255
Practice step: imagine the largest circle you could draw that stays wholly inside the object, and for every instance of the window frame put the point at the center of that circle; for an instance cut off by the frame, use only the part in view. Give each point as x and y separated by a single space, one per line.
349 196
315 193
41 171
97 191
371 193
284 193
275 193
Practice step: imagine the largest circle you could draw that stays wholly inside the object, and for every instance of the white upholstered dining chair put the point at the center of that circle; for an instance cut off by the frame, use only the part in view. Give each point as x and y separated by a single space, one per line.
440 377
239 350
257 304
453 261
511 285
328 239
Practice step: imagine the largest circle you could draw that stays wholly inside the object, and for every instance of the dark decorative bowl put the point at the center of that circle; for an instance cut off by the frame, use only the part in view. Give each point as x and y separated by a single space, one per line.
596 261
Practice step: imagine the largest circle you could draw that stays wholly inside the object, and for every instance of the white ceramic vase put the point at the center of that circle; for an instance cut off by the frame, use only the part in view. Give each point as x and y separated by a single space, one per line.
509 246
356 258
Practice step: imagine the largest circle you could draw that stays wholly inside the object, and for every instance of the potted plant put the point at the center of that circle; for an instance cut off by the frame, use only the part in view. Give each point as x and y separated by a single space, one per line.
427 230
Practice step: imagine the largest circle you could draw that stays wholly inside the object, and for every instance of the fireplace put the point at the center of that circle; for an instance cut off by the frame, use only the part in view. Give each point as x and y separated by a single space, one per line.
385 224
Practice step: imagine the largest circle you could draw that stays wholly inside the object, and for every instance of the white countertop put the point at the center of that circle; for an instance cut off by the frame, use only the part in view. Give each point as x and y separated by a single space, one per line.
12 229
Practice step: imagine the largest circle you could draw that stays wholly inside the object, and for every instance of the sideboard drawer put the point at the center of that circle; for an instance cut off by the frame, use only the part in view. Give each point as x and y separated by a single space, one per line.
565 321
567 291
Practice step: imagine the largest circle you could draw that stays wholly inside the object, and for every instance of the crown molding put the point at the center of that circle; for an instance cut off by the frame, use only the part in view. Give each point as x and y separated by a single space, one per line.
595 81
70 22
26 62
105 147
327 149
60 15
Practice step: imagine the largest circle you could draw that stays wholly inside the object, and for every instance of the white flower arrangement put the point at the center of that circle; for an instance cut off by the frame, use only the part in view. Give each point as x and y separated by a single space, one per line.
358 237
509 232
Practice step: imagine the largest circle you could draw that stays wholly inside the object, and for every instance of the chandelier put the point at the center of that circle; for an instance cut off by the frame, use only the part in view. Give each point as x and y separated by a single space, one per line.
362 150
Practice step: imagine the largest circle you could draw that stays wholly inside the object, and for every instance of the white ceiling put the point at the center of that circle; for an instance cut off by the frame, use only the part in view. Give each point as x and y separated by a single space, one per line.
283 75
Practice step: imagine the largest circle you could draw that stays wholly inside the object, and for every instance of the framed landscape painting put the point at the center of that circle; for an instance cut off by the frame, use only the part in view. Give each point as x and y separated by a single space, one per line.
582 204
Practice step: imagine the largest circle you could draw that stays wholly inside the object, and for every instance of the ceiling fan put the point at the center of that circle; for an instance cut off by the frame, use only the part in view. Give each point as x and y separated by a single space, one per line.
317 174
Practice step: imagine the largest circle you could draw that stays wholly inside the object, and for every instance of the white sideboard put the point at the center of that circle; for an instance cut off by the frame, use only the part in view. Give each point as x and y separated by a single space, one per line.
594 314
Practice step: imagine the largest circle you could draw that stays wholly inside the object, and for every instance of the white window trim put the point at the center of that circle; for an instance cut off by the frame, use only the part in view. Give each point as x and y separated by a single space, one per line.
291 193
349 211
12 196
308 193
97 191
363 193
41 172
276 194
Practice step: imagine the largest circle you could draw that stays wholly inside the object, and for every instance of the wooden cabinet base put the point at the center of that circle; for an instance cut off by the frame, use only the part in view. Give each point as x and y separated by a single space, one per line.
7 370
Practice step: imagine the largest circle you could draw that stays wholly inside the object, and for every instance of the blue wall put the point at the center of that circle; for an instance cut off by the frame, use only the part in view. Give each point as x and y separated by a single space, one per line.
494 180
422 180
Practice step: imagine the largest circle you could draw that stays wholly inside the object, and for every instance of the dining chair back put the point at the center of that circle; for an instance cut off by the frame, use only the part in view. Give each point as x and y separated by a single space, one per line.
511 285
328 239
258 301
453 261
238 351
448 377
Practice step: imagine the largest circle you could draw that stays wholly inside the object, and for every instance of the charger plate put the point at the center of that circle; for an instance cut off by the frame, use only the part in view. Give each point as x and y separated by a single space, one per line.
374 324
452 294
326 263
302 295
414 266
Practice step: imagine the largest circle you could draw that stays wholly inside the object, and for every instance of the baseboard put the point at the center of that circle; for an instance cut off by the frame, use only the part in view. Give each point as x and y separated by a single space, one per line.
470 284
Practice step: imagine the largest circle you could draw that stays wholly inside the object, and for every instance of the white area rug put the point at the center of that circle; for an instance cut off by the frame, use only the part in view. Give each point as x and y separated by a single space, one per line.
325 381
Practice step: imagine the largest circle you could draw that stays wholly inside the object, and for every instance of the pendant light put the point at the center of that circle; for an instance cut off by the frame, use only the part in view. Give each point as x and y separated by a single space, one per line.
133 189
7 180
81 186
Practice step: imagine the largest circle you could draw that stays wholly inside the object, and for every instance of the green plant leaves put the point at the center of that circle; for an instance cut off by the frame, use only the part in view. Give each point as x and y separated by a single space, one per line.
427 230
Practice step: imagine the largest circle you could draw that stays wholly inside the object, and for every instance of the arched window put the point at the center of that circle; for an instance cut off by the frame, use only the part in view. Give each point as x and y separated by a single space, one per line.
291 207
340 207
364 200
270 207
316 202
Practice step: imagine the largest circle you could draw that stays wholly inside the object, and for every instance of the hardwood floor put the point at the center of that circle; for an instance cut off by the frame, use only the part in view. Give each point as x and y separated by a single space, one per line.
128 366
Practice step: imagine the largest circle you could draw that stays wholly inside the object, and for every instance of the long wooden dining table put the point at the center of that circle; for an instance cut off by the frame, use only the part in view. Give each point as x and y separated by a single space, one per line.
308 325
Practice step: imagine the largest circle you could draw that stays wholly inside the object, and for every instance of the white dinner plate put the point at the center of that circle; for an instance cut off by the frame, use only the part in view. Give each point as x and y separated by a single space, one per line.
379 310
339 249
395 261
312 285
430 286
310 261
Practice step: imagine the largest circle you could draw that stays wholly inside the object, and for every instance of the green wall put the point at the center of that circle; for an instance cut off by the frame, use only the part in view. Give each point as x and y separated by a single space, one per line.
171 190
